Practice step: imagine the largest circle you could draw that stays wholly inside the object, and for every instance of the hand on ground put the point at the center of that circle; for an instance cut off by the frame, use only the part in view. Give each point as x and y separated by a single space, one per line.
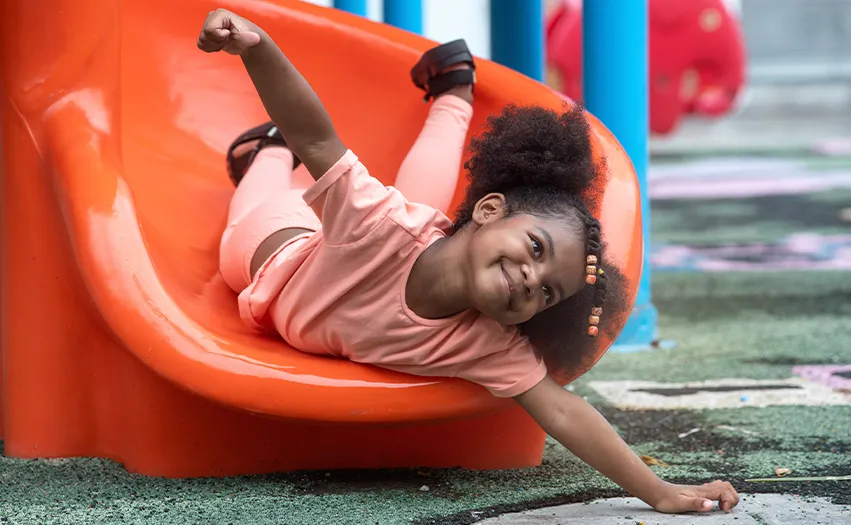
697 498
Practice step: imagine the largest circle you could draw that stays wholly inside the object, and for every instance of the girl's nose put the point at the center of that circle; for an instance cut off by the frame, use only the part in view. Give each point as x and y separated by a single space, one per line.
530 280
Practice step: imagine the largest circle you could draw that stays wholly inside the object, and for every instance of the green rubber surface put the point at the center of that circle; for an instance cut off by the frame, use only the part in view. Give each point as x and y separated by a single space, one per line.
749 324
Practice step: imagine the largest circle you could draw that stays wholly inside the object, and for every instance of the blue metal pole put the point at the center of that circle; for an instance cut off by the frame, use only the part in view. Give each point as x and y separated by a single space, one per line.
615 78
357 7
404 14
517 35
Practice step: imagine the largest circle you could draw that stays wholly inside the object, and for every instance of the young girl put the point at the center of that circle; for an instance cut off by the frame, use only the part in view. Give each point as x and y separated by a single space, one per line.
350 268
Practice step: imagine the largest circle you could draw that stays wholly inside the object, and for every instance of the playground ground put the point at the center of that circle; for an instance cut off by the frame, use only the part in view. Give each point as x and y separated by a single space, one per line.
752 279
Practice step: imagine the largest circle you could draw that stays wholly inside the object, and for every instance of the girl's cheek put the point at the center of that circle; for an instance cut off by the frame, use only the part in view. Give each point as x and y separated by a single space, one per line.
515 248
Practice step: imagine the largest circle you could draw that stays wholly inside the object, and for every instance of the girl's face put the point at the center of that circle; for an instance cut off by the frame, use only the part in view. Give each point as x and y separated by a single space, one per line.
521 265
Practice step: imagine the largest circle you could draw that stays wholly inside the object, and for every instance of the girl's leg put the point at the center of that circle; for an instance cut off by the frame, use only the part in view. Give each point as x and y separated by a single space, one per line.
429 173
269 174
265 213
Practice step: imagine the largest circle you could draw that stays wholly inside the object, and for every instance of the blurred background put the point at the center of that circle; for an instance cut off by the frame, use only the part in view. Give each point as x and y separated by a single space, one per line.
749 182
749 174
749 122
795 68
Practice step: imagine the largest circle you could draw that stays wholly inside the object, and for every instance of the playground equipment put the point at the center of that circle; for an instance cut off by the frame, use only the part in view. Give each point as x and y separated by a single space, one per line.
120 339
615 78
696 56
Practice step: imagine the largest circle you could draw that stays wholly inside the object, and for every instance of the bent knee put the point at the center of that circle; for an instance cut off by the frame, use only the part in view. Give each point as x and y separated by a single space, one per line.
270 245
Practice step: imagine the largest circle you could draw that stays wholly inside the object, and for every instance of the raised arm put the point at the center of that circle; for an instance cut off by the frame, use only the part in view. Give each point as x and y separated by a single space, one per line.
289 100
580 428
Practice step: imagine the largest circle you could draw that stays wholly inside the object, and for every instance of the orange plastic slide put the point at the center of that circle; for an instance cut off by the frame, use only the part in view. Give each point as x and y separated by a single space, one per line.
120 339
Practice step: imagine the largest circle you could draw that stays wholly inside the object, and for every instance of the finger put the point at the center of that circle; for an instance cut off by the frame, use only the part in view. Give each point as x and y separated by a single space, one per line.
215 34
701 504
711 490
240 41
210 16
250 38
729 498
217 19
223 19
205 44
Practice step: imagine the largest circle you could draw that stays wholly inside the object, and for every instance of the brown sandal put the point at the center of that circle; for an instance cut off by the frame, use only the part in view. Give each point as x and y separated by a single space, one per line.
427 73
266 135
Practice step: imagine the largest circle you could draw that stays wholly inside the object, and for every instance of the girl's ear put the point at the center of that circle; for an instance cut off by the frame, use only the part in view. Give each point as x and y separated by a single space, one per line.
491 207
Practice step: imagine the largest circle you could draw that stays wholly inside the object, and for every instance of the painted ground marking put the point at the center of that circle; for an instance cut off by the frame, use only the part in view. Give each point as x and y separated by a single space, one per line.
837 377
719 393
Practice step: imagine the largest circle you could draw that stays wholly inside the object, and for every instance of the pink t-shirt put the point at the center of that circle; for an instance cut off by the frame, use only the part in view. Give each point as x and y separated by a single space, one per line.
341 292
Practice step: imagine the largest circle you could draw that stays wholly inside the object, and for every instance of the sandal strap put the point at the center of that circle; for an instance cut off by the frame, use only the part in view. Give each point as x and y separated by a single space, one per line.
265 135
442 83
265 132
438 59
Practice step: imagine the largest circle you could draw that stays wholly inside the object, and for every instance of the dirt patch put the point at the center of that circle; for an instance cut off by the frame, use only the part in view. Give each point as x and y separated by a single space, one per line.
665 427
787 212
682 391
437 481
786 360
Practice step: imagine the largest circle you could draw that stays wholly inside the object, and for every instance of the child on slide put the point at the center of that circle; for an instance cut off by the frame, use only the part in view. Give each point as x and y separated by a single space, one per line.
350 268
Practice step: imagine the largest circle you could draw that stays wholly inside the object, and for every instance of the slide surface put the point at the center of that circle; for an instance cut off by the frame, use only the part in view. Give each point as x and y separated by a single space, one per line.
120 338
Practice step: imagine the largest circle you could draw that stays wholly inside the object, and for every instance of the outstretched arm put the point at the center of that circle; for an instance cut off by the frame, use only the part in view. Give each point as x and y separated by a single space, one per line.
289 100
580 428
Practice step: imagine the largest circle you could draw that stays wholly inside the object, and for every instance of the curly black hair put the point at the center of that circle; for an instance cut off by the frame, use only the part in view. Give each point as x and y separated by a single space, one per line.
542 162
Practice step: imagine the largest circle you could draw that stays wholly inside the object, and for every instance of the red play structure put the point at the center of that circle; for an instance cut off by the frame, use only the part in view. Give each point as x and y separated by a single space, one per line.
697 58
120 338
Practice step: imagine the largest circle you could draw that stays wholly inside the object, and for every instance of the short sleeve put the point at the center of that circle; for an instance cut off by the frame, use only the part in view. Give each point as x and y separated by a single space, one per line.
506 373
349 202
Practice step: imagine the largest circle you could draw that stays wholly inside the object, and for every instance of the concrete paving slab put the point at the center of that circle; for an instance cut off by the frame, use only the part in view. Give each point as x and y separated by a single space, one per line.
753 509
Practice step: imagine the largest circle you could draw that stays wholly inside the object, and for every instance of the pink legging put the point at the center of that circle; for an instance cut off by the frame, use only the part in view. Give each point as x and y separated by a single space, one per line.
269 197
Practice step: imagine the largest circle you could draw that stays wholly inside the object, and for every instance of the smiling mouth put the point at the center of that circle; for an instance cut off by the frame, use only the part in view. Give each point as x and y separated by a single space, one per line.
508 286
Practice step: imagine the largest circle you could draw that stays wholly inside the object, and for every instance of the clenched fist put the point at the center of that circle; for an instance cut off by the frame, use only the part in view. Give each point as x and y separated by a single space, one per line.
225 31
686 498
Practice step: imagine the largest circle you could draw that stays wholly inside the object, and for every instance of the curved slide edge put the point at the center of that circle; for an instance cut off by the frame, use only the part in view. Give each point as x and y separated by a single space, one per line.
99 352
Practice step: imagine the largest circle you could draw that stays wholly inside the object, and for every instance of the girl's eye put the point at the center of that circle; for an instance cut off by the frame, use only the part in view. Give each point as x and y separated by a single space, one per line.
537 249
548 294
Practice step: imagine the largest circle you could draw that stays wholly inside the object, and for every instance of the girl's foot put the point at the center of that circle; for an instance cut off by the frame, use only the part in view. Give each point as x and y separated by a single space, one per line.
462 91
245 148
445 68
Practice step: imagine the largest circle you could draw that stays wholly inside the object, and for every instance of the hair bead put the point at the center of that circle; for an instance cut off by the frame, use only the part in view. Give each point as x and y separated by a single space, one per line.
591 259
590 270
594 320
591 279
597 311
593 331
